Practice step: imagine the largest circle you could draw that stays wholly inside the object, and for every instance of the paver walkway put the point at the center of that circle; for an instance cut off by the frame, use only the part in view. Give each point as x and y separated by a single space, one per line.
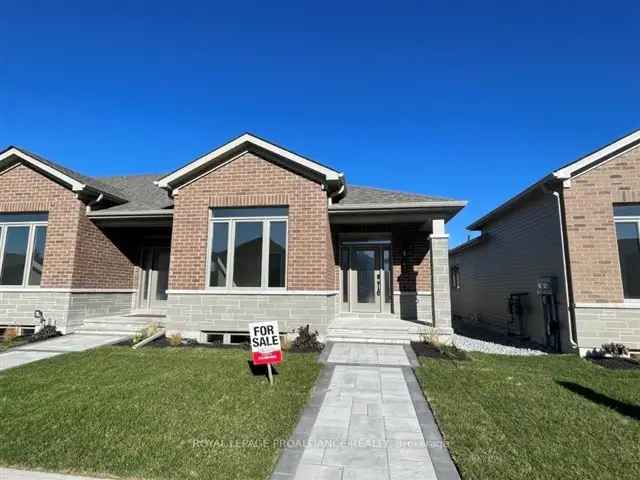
368 354
54 347
368 421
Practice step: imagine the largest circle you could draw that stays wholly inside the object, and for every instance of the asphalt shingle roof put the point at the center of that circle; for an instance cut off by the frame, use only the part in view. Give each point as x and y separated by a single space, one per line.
359 195
141 192
89 181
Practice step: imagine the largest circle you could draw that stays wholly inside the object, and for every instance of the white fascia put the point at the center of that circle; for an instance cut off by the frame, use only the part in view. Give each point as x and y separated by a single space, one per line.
567 172
74 184
247 138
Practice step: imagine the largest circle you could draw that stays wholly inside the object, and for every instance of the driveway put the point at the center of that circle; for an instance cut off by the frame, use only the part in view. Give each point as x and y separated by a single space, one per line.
54 347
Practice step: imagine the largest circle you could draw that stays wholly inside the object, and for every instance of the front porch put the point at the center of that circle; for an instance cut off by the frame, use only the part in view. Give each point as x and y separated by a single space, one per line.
393 274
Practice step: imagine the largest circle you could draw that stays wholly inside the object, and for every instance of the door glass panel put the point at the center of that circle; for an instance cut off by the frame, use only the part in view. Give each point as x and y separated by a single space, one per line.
218 275
162 271
363 262
37 257
344 265
15 256
386 267
629 250
277 254
146 274
247 263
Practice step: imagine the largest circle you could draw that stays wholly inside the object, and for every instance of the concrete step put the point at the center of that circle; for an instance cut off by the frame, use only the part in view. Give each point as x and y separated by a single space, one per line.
376 336
367 315
118 324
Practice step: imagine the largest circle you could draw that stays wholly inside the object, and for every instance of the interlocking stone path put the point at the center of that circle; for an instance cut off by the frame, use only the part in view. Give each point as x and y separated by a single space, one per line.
367 421
368 354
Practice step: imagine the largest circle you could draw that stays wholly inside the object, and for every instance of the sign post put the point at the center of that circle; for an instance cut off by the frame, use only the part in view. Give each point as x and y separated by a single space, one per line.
265 345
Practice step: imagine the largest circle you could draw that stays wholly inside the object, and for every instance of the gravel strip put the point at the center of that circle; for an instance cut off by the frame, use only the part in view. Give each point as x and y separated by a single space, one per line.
474 345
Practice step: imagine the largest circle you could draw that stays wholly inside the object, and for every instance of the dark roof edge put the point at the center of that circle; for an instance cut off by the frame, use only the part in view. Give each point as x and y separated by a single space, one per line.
511 203
567 171
469 244
449 204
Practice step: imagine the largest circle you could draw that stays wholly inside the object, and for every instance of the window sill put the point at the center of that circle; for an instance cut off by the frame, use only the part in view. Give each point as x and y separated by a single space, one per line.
251 291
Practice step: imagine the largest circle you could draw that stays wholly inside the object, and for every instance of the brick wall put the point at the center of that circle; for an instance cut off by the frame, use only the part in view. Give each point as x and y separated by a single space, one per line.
593 249
77 253
252 181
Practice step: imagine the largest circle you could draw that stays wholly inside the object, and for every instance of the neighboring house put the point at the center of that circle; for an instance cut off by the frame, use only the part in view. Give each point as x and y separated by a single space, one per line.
247 232
575 231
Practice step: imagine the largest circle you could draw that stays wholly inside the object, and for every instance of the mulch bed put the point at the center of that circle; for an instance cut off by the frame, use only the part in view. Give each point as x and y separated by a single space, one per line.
428 350
616 363
163 342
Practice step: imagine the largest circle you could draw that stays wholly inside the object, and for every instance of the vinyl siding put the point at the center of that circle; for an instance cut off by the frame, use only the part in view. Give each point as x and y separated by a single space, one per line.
521 246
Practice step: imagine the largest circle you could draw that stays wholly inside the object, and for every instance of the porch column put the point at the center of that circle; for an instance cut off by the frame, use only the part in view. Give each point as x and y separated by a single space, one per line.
440 290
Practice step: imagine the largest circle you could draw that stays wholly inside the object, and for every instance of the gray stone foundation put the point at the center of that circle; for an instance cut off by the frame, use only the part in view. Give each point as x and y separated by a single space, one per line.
65 309
191 313
606 323
413 306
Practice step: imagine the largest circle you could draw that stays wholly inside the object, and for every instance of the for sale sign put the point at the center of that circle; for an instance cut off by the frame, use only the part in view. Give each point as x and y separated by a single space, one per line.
265 343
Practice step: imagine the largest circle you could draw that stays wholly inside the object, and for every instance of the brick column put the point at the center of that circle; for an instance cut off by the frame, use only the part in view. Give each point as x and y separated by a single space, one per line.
440 290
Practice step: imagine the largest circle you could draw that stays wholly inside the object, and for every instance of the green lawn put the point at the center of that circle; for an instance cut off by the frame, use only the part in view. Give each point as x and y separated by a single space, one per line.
536 417
152 413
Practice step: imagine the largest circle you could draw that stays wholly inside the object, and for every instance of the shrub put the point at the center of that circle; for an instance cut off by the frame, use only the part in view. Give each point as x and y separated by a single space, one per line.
175 340
306 341
48 331
614 349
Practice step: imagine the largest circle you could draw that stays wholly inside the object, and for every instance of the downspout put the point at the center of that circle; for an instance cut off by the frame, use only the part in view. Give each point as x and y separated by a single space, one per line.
95 202
565 267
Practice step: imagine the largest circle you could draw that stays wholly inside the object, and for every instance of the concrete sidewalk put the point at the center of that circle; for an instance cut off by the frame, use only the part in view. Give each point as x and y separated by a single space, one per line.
367 420
33 352
12 474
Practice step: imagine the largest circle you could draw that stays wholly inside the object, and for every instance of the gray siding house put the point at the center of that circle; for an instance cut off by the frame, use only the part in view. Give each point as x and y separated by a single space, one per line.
559 263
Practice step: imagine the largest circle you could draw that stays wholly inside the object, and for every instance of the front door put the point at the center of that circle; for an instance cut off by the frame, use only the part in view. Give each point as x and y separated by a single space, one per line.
368 272
154 279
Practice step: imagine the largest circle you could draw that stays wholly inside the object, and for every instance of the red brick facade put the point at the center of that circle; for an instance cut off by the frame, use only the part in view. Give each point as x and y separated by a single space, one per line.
252 181
77 254
593 251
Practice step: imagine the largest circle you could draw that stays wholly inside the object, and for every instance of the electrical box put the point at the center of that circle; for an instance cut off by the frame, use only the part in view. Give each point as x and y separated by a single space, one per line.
547 286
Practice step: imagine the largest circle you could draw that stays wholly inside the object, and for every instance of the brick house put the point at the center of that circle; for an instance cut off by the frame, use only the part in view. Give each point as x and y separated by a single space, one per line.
575 231
250 231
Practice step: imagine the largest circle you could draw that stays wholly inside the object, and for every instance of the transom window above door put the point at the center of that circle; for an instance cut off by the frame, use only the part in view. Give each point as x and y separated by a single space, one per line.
247 247
22 243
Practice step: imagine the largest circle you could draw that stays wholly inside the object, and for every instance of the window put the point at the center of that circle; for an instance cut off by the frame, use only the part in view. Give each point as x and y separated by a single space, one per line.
22 242
248 247
455 277
627 218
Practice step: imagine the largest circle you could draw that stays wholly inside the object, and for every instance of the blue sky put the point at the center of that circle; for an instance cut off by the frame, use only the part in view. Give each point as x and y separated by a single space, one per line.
470 100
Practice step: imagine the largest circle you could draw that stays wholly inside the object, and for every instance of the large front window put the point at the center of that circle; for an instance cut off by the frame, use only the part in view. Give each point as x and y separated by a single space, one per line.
627 218
248 247
22 241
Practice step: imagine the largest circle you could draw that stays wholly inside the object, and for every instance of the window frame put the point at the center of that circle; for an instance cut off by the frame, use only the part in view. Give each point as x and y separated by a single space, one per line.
32 225
231 238
634 220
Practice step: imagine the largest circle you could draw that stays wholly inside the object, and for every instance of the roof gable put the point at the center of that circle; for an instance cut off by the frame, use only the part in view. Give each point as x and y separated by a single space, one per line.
233 149
69 178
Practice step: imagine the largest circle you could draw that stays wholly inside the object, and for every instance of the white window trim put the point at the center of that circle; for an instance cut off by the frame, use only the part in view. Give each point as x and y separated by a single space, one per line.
266 232
29 253
634 220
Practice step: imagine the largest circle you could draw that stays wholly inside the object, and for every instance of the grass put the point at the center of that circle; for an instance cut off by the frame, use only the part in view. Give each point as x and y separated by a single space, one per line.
536 417
152 413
